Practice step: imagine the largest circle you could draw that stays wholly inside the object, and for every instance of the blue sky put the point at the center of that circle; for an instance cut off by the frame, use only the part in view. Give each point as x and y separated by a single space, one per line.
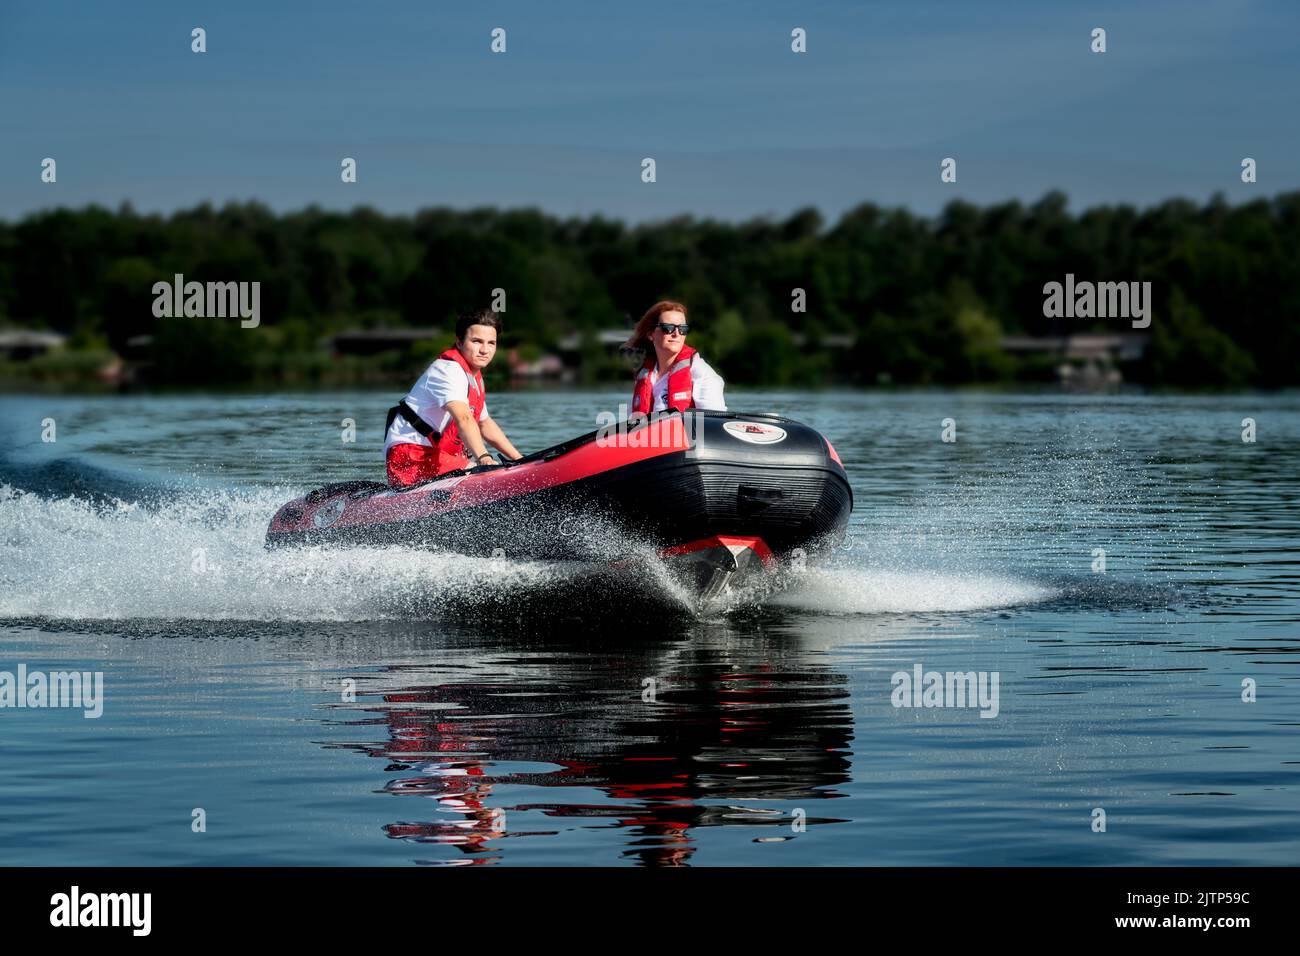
738 124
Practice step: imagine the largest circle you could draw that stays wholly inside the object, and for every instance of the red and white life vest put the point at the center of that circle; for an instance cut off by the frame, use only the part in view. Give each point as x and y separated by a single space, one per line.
408 462
451 449
680 389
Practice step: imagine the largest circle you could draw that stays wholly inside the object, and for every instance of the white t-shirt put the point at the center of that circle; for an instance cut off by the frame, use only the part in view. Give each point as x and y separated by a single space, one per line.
444 381
706 387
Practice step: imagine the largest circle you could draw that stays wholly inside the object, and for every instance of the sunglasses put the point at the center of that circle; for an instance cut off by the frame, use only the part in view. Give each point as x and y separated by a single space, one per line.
667 328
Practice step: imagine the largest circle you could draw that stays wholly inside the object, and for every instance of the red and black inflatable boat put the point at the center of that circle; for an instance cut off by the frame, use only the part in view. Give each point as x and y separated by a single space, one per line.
715 492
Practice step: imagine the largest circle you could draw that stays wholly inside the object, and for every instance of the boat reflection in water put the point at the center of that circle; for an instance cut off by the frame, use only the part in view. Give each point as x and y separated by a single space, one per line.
656 737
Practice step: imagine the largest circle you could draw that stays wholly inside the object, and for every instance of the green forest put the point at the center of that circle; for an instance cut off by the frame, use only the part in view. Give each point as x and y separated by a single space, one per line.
891 297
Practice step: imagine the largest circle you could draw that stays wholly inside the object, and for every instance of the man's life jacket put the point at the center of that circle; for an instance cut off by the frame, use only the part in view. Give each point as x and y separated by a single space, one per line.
450 447
680 393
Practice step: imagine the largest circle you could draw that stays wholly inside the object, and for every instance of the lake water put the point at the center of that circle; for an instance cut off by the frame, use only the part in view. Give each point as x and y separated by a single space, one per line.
132 546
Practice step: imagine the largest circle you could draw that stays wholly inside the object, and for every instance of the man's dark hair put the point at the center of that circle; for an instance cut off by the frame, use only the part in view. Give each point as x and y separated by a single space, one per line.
482 317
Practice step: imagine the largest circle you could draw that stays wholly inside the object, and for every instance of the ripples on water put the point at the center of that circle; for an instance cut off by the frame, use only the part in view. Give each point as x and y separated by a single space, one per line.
501 711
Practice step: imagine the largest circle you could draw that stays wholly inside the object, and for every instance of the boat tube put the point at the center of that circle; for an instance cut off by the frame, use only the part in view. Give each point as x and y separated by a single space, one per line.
715 493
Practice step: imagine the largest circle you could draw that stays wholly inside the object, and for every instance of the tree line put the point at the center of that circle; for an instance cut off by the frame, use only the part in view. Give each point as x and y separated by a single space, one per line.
901 298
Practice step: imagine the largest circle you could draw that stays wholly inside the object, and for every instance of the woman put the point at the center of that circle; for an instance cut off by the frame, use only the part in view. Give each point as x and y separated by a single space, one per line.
674 375
445 416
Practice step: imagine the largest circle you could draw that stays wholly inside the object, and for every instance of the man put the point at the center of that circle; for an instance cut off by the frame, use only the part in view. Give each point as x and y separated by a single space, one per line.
443 424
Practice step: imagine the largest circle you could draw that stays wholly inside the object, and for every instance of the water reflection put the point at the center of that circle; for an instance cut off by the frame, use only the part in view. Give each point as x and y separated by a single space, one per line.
658 738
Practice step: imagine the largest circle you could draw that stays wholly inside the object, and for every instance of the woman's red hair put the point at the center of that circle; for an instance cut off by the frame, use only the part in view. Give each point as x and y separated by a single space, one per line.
641 334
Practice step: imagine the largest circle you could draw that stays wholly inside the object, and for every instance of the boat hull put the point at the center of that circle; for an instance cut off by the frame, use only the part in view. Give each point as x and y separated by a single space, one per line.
666 483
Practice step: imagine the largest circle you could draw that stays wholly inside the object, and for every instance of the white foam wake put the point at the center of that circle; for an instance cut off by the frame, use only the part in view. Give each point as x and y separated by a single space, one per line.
203 558
865 591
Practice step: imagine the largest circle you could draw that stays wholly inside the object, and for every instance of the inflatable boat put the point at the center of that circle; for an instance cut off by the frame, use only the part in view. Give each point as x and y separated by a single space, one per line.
714 493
